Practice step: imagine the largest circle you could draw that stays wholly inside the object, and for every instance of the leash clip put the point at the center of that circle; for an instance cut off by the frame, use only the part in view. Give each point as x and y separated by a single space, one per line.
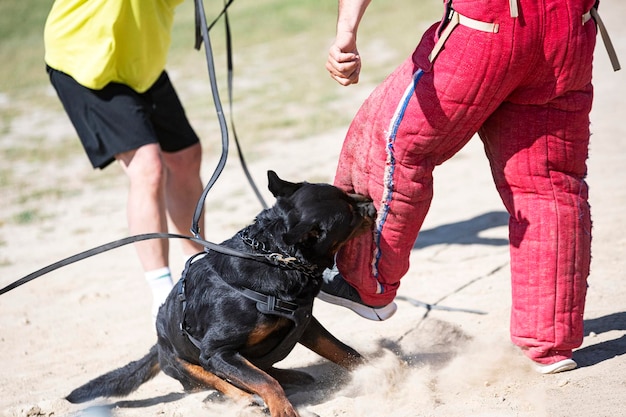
280 258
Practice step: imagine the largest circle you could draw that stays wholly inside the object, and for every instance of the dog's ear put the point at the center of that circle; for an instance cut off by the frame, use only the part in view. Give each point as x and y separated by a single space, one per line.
280 188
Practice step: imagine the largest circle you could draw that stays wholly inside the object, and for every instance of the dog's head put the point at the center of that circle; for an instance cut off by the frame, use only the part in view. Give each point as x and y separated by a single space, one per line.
319 218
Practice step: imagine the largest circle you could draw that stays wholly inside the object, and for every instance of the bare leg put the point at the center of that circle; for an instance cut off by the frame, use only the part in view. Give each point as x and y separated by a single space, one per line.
183 188
146 214
146 203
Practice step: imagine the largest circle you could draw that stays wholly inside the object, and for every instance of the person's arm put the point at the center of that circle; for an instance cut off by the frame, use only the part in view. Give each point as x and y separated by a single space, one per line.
344 62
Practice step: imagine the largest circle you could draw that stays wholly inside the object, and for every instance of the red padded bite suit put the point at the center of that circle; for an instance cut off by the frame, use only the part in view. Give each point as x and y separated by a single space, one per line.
527 91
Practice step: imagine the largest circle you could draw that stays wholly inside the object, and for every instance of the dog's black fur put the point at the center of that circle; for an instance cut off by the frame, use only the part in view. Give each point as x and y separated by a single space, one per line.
237 342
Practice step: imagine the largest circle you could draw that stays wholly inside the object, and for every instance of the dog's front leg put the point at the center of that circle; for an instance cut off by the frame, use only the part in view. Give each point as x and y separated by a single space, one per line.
240 372
320 341
207 379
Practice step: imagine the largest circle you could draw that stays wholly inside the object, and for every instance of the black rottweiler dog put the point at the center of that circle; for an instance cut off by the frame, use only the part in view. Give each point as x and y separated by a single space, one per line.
230 318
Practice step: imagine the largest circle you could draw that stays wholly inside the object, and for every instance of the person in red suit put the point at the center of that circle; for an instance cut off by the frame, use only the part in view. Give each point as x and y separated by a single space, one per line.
518 73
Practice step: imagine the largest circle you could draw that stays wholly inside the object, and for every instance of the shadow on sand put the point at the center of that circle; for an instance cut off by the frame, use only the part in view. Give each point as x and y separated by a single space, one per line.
602 351
465 232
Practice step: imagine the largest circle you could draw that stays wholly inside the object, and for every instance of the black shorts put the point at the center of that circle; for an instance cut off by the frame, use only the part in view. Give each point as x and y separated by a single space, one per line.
117 119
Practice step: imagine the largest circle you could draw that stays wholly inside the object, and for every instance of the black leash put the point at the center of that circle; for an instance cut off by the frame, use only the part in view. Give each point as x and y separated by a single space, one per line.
275 259
229 59
202 35
203 30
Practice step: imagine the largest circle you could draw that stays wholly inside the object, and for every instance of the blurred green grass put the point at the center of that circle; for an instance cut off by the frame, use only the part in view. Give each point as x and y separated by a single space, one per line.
21 45
281 87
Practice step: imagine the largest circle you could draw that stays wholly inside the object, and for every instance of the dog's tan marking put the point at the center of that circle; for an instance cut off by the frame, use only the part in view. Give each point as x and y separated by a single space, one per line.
204 377
261 332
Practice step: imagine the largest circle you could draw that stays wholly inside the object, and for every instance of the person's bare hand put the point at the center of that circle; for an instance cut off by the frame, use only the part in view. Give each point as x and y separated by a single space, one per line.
344 61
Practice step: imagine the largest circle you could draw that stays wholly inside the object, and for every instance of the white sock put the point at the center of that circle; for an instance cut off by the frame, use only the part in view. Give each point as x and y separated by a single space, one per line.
160 281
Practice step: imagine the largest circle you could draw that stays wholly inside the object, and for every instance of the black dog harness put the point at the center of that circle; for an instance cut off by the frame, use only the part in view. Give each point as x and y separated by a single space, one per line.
299 313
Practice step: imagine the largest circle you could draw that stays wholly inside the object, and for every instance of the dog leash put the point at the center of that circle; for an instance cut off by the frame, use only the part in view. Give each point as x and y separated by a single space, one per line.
202 36
229 62
275 259
203 30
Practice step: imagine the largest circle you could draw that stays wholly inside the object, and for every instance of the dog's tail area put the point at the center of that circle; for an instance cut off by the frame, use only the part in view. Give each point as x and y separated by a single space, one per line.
121 381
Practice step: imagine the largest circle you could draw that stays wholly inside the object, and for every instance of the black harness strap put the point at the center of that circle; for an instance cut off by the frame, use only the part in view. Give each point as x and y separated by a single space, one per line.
299 313
300 317
266 304
269 304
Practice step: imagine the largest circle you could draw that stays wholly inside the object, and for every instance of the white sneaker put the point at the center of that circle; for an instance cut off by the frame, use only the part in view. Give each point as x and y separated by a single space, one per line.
555 368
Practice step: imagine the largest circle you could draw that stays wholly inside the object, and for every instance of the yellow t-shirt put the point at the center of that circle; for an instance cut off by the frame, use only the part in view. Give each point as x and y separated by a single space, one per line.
102 41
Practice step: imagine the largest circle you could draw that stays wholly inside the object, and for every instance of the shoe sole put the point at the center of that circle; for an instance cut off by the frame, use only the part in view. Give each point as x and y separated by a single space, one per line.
555 368
370 313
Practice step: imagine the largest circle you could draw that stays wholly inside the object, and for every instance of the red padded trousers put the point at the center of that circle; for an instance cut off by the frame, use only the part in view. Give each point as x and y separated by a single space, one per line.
526 90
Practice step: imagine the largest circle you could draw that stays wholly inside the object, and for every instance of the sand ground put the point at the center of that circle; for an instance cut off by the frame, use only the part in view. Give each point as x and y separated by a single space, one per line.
78 322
